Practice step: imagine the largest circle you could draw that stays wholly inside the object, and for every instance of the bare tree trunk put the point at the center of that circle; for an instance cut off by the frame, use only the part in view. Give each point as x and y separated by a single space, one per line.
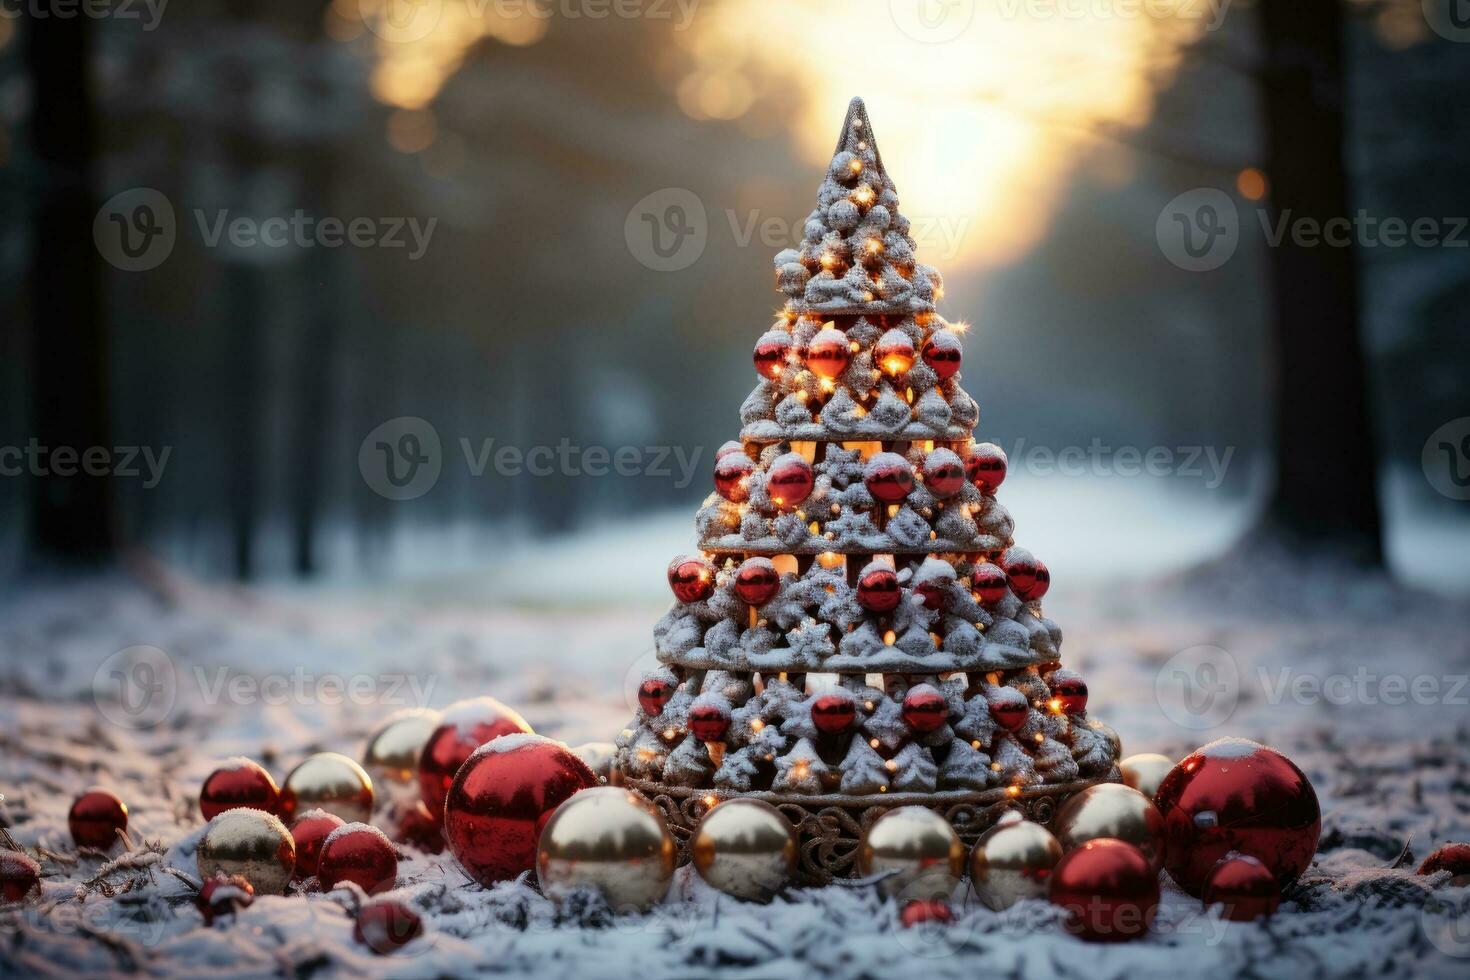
70 516
1326 496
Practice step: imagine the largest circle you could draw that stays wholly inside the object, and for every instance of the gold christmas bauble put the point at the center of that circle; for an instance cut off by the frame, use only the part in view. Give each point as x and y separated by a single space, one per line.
391 757
1111 810
1012 861
598 756
328 781
1145 771
745 848
916 850
249 842
610 840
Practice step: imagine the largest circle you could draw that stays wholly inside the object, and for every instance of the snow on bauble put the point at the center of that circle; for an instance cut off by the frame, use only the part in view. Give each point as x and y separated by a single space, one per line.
888 477
731 473
771 351
728 447
834 714
944 473
989 583
1020 568
757 581
986 465
878 589
310 831
465 726
709 718
942 353
223 895
924 709
1008 707
789 480
359 853
19 875
1070 691
654 692
894 352
828 353
691 578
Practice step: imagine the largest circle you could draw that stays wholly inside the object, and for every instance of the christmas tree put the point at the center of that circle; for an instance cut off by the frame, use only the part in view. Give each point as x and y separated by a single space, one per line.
860 629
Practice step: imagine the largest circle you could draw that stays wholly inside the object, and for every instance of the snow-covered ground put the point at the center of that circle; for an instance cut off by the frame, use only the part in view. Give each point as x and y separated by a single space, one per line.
1361 682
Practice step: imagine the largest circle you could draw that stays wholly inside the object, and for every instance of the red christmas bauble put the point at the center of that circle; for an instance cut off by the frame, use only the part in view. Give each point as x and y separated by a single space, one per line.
878 590
223 895
692 579
418 828
934 592
1040 583
731 472
924 709
757 581
241 783
894 352
771 351
1009 712
789 480
310 831
1245 887
1454 858
989 583
464 727
383 926
944 473
654 693
19 875
728 447
502 797
1235 795
96 819
1021 569
986 466
828 353
359 853
834 714
1071 691
923 911
709 722
888 477
1108 888
942 353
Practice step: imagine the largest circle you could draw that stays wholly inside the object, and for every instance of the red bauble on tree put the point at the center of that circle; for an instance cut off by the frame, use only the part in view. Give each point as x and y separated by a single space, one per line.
1008 707
834 714
1244 887
709 721
942 353
359 853
310 831
986 466
240 783
97 818
888 477
464 727
878 590
383 926
654 692
692 579
771 352
944 473
989 583
731 473
924 709
1109 890
1040 583
894 352
223 895
1238 796
1069 691
828 353
789 480
502 797
19 875
757 581
1021 569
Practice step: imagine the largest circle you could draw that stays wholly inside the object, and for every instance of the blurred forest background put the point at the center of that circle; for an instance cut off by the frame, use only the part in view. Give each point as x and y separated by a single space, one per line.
1049 145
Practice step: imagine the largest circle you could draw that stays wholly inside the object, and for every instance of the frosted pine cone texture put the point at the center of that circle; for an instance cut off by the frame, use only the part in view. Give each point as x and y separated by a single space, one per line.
862 485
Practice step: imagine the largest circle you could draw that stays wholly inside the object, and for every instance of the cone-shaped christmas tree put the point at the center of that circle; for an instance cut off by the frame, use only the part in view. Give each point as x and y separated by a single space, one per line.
860 630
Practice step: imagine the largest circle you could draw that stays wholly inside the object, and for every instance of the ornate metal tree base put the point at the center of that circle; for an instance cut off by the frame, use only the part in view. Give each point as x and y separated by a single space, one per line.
830 827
